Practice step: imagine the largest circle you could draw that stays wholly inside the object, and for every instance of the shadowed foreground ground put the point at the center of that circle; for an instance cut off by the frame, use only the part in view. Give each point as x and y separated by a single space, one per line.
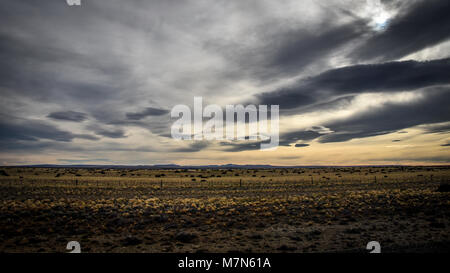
282 210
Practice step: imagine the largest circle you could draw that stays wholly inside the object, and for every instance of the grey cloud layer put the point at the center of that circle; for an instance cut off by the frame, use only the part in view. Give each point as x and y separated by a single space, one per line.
393 117
101 68
32 130
386 77
424 24
149 111
283 51
68 116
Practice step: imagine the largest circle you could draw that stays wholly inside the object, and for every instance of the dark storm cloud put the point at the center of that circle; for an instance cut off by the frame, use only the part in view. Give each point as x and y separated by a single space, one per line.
196 146
284 51
157 125
68 116
32 130
149 111
294 50
320 106
436 128
241 146
300 145
424 24
35 135
386 77
391 117
86 136
107 132
111 133
286 139
18 146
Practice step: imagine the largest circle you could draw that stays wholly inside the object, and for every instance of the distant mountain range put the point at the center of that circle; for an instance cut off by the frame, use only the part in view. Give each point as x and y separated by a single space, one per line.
175 166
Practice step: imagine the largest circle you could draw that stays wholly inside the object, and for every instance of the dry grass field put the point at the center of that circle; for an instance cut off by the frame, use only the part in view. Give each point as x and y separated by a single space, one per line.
406 209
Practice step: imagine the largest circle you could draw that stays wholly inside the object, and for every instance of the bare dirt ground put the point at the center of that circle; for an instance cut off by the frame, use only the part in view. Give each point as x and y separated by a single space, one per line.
266 210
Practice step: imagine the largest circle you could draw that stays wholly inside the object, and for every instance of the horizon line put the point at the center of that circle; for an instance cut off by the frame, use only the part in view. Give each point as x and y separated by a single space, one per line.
229 165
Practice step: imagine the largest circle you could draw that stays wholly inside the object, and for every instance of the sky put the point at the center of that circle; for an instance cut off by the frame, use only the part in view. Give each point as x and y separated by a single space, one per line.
357 82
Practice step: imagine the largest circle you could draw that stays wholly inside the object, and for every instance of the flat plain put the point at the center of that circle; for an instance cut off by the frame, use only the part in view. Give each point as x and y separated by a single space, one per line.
339 209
